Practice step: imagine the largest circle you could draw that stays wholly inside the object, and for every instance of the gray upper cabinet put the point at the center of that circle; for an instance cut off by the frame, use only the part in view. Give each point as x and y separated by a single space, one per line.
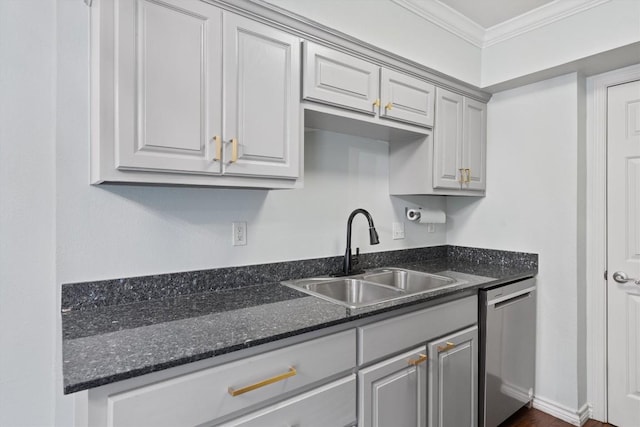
406 98
459 142
453 380
262 106
335 78
338 79
159 72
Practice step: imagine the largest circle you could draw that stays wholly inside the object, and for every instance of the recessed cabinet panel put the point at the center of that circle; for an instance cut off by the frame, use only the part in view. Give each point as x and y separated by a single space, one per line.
392 392
447 140
474 145
453 376
338 79
169 86
329 405
406 98
262 83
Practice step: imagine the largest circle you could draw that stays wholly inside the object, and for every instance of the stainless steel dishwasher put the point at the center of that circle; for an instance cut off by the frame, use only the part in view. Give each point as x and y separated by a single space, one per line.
507 350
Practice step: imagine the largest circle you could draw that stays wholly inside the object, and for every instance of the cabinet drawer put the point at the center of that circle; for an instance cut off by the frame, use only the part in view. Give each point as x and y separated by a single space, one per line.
332 77
382 338
203 396
330 405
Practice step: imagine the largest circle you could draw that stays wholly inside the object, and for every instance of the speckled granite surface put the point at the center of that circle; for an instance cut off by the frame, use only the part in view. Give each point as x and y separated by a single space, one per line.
147 325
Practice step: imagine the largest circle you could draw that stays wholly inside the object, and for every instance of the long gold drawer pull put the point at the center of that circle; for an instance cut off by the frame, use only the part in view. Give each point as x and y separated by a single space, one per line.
234 150
468 173
237 392
415 362
447 347
218 142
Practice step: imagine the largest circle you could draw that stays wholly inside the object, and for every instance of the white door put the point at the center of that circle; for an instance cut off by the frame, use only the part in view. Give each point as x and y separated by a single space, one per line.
623 217
262 98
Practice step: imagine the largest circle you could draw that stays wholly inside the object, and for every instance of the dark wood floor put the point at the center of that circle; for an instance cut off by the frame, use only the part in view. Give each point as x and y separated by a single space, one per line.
526 417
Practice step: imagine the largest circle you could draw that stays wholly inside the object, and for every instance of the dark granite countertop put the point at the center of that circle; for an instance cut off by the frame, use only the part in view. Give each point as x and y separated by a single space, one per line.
107 342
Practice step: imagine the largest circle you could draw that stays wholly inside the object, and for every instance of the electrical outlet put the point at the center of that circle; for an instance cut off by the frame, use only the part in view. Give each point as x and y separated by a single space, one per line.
239 236
397 230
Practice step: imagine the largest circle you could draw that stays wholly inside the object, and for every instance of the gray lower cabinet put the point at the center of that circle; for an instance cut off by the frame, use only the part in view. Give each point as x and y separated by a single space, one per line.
330 405
453 380
392 392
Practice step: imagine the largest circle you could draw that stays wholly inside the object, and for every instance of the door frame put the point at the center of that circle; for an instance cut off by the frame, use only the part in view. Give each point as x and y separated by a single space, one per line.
596 234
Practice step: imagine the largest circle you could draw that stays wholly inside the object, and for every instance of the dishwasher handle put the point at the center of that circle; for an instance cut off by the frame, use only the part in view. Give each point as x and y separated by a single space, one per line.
512 297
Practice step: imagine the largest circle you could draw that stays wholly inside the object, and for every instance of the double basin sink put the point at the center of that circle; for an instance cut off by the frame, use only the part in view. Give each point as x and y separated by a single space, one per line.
372 287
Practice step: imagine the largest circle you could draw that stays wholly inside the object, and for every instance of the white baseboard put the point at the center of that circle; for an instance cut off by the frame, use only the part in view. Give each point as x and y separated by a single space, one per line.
576 418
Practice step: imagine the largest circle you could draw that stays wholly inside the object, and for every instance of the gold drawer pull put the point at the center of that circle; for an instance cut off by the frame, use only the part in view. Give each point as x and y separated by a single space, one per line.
421 359
376 103
218 142
468 173
389 106
237 392
447 347
234 150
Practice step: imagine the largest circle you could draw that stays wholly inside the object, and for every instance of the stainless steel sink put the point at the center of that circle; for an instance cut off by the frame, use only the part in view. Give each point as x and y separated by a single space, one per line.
348 291
372 287
408 280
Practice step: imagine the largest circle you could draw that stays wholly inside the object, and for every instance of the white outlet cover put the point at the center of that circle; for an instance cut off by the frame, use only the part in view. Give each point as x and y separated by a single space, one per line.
397 230
239 233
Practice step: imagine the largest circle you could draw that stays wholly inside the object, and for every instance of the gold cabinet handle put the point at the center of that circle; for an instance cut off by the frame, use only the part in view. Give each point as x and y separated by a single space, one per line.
237 392
415 362
376 103
218 154
449 345
389 106
468 175
234 150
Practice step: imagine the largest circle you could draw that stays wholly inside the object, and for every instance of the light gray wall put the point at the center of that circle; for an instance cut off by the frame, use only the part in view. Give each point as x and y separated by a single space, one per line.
27 212
531 205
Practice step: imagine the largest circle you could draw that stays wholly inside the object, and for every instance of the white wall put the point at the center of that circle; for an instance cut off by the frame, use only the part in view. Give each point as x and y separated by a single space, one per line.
608 26
393 28
531 206
27 212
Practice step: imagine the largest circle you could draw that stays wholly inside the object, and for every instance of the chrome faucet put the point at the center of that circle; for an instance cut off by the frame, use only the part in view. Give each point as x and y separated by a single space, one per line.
373 240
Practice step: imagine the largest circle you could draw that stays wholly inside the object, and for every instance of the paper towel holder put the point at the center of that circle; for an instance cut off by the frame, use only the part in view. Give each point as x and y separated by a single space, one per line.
412 214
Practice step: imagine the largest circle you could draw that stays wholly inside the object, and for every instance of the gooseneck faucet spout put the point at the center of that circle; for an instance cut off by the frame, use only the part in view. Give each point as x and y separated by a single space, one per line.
373 240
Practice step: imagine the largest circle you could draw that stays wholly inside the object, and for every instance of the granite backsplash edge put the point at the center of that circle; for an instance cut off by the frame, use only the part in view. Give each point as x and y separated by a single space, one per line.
103 293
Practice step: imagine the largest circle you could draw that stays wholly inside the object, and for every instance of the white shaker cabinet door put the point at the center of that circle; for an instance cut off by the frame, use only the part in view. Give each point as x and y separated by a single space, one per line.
335 78
453 380
406 98
262 95
474 145
168 85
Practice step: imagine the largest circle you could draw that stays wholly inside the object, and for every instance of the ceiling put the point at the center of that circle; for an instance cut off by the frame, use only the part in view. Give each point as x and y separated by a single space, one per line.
488 13
487 22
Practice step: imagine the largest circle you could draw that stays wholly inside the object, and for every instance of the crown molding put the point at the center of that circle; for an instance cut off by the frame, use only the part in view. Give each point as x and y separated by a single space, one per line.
458 24
446 18
536 18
